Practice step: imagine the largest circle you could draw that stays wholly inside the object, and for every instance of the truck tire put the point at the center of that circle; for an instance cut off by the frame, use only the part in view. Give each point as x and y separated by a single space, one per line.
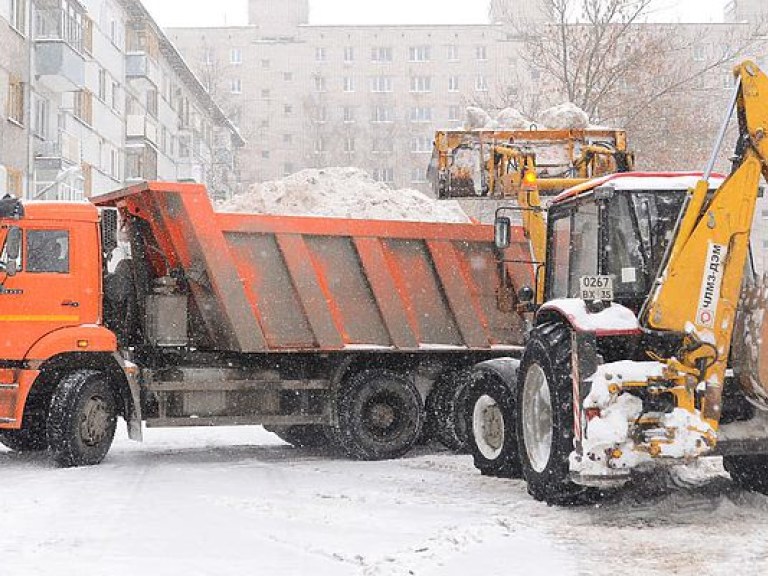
302 436
544 415
31 438
82 419
748 472
447 410
380 415
492 438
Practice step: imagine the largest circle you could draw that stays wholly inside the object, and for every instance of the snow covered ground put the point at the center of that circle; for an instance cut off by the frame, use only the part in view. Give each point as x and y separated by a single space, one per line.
237 501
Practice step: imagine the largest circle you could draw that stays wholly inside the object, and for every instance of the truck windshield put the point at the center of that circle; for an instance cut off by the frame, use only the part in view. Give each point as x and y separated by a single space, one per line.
640 226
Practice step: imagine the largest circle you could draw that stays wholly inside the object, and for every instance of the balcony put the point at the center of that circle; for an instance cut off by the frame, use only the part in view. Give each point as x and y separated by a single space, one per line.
58 50
57 155
140 66
141 126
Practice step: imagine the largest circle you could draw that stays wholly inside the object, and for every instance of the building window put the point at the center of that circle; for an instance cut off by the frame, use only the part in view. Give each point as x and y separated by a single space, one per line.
386 175
236 86
699 53
41 118
287 109
381 54
288 169
418 54
453 84
114 162
421 114
141 163
421 83
87 35
208 57
264 123
19 15
453 53
383 146
265 154
235 56
288 76
321 54
103 85
481 52
320 145
16 101
266 94
481 84
349 84
15 182
349 54
454 113
266 64
348 114
382 114
320 85
381 84
152 102
418 176
287 138
349 145
115 96
184 147
83 109
321 114
421 144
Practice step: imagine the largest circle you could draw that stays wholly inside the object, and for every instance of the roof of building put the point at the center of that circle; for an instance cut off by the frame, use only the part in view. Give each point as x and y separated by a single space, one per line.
138 12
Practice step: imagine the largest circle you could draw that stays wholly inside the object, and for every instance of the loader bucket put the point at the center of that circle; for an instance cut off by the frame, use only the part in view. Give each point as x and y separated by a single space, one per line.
750 341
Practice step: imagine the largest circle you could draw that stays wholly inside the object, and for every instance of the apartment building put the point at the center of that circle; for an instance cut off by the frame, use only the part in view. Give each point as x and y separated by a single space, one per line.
368 96
105 100
14 86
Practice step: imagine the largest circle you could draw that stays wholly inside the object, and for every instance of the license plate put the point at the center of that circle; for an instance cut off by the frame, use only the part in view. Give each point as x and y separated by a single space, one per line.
596 288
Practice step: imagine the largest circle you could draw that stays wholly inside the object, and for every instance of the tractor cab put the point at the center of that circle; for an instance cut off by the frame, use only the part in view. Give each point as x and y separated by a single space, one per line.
606 238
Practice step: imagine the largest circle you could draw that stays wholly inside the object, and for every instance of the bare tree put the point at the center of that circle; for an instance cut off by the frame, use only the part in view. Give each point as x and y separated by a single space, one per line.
604 56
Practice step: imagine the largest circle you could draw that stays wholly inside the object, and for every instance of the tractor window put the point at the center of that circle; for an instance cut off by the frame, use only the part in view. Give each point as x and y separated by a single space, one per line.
559 256
625 258
584 245
48 251
657 213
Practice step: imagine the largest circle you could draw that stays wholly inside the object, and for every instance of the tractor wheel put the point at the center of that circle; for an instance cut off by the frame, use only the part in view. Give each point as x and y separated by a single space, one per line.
302 436
749 472
544 415
492 438
380 415
81 419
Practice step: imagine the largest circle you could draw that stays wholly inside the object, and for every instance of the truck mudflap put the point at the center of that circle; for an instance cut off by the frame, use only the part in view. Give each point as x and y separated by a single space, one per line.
133 414
15 384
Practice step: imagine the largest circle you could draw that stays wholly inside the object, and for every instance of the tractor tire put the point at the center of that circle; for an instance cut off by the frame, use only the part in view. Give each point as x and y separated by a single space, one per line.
31 438
81 419
447 411
544 416
492 438
380 415
302 436
748 472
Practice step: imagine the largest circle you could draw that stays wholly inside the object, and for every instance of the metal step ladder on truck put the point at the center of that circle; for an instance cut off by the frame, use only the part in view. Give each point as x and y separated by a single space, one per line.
648 346
324 330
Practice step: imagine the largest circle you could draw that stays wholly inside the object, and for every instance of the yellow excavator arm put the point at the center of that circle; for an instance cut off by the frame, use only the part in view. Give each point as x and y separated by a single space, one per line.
697 291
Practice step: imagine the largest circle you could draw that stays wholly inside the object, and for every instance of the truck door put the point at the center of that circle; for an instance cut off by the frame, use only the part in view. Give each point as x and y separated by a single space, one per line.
47 292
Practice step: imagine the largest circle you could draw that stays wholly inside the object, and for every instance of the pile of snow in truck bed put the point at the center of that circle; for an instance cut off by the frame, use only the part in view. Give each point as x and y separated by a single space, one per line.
342 193
566 116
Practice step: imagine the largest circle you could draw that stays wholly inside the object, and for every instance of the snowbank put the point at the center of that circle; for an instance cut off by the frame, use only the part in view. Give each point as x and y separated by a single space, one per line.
342 193
477 119
566 116
512 119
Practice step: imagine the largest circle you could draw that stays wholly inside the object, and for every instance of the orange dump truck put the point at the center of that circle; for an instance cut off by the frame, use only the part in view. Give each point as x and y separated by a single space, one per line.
323 330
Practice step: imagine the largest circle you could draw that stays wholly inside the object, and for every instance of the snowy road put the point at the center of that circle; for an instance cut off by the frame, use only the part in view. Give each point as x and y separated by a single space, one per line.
240 502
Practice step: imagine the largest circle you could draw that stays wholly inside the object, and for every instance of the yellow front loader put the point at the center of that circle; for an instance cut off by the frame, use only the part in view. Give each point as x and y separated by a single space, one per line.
646 347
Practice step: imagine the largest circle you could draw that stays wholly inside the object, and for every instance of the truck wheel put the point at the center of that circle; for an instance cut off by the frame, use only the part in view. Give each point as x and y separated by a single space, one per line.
544 415
380 415
447 410
492 438
302 436
749 472
31 438
82 419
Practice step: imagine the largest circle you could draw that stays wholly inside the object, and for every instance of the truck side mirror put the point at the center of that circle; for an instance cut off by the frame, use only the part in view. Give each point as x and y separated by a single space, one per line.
502 232
12 250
